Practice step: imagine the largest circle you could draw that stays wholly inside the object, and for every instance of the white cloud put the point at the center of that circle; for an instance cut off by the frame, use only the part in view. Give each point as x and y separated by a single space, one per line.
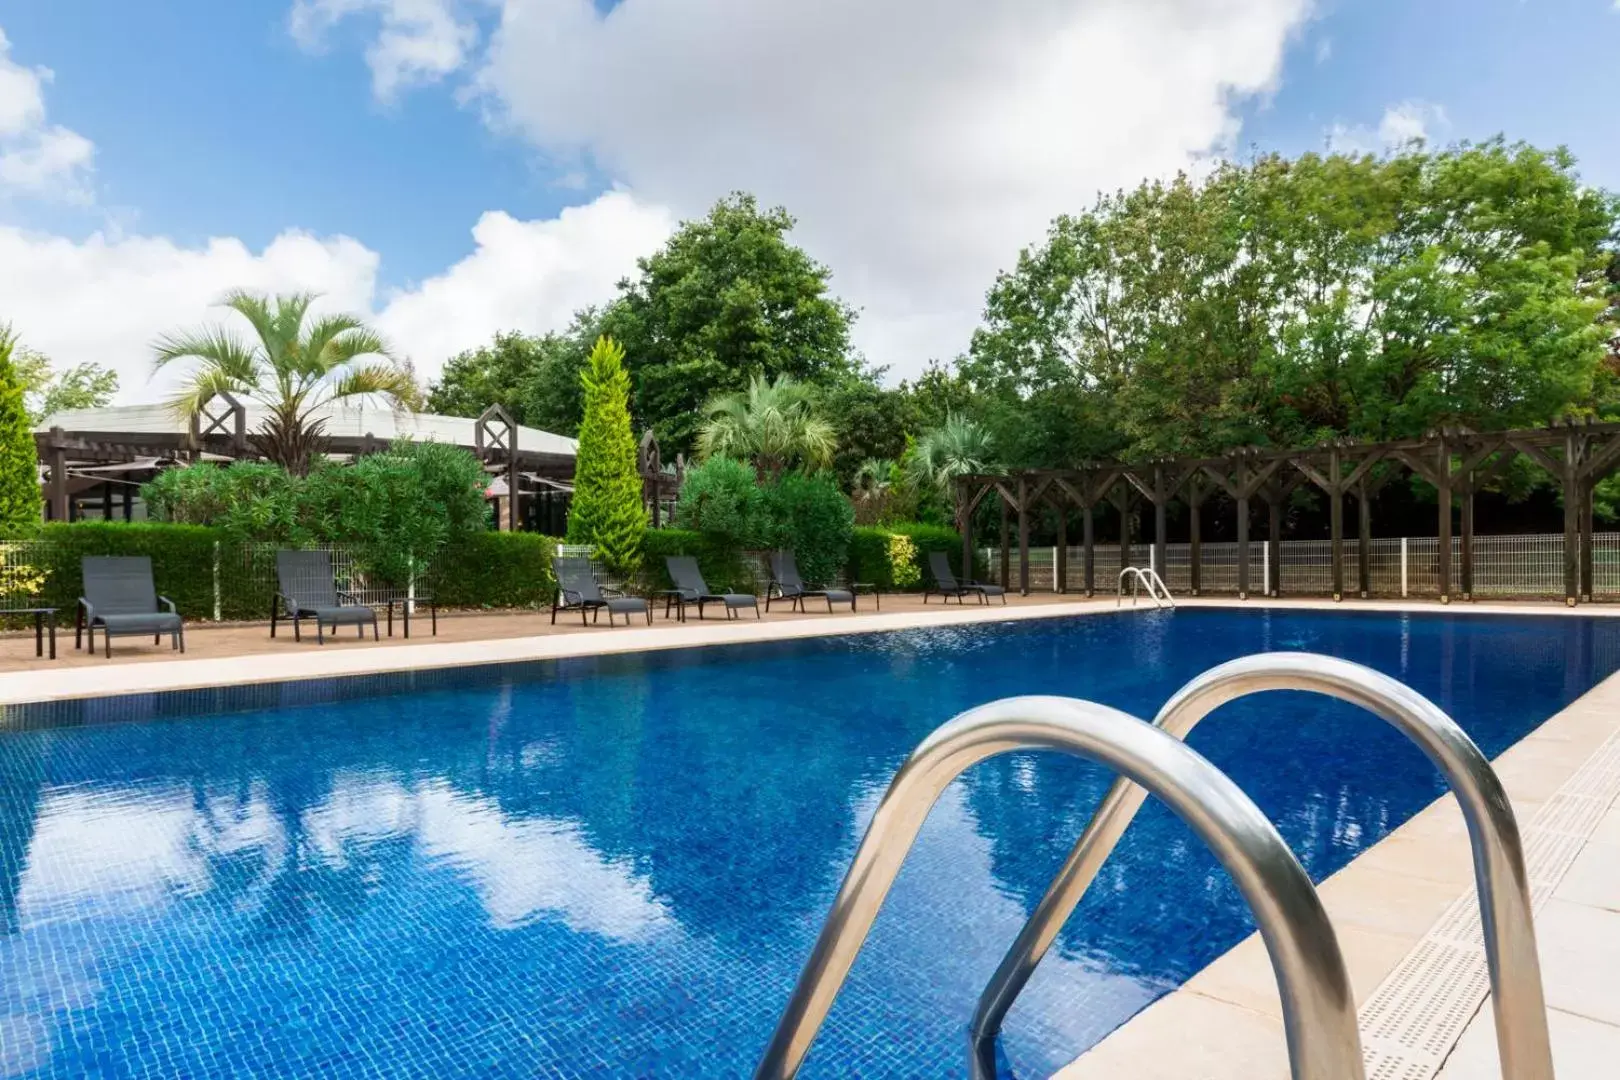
921 143
418 41
37 158
106 298
524 275
1406 122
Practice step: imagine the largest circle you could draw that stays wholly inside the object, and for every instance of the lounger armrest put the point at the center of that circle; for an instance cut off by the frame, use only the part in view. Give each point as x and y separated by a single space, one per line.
87 608
349 596
166 602
571 596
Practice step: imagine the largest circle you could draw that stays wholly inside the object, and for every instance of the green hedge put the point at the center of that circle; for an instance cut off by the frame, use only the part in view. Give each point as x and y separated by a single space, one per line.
869 550
182 565
723 567
496 570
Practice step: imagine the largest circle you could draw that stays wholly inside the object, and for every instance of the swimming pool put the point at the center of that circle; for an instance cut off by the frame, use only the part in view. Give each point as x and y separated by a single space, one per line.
616 866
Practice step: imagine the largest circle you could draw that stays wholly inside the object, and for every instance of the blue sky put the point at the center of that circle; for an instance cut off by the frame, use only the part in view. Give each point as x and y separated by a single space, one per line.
214 120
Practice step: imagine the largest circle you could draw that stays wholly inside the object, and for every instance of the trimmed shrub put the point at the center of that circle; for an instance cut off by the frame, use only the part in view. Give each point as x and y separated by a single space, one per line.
871 553
723 566
182 565
721 499
813 517
496 570
607 510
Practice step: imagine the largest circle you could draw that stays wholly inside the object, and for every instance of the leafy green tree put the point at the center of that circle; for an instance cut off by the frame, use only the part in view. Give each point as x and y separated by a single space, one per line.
774 424
19 461
293 365
810 516
607 510
871 421
727 300
46 391
1286 301
536 379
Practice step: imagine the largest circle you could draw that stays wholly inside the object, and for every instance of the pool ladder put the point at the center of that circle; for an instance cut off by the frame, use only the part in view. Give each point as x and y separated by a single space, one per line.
1319 1012
1141 576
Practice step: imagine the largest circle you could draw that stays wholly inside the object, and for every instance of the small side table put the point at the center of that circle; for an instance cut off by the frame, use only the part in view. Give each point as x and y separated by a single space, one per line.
43 617
674 597
405 605
869 587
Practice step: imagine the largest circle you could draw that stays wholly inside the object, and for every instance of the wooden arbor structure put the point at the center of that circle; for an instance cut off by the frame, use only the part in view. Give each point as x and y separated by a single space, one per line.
1456 461
220 431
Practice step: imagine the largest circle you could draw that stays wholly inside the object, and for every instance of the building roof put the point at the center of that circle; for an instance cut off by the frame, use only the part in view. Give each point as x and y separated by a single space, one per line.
342 421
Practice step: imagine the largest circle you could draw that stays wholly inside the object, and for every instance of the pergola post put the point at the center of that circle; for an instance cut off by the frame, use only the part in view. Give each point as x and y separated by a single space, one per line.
1023 536
1243 529
1060 572
1274 539
1442 475
1466 519
495 438
1088 539
1364 535
1161 521
1572 516
1123 503
1195 514
1336 519
1006 542
1587 487
59 491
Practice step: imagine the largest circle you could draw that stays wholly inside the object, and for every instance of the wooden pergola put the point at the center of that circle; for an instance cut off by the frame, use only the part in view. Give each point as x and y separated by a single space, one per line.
1456 461
220 430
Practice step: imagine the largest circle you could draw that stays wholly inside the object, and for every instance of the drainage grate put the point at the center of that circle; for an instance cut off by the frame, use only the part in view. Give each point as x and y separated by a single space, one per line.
1418 1013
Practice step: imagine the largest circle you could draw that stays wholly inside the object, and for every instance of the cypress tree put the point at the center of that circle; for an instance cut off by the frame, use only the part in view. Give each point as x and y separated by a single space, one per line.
19 462
607 511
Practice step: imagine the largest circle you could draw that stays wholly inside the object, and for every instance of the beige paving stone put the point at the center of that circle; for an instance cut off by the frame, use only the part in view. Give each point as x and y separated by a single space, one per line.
1188 1037
1608 830
1374 898
1583 1049
1580 959
1243 976
1594 878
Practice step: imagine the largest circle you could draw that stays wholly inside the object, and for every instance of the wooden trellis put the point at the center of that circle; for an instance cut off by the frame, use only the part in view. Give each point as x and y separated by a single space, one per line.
1458 462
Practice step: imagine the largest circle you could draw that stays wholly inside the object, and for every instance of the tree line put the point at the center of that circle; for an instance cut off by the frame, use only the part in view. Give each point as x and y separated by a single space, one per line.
1276 302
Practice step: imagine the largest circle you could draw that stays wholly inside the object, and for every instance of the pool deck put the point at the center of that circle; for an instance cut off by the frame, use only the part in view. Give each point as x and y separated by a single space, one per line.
1404 910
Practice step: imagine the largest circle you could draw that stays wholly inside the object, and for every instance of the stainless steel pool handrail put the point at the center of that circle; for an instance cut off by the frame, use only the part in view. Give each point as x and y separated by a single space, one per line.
1319 1016
1499 868
1157 590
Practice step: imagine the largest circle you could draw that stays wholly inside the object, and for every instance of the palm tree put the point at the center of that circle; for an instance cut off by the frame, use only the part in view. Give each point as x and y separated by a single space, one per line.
870 489
959 447
773 424
294 365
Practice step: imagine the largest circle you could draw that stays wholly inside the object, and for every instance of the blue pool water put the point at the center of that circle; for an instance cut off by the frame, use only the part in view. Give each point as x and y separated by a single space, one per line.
615 867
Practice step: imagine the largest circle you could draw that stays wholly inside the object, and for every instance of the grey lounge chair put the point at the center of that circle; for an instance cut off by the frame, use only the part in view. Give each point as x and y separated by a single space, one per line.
689 583
308 590
577 587
786 584
946 584
119 597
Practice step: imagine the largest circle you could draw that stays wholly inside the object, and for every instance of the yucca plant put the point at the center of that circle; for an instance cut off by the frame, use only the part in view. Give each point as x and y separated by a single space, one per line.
294 364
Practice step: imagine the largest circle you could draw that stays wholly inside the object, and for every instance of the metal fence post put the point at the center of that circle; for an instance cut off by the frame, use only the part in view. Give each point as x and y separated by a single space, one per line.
1403 567
1265 568
216 582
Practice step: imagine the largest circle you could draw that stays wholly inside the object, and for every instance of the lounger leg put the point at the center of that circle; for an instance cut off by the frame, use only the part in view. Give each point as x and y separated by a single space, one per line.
106 641
756 610
554 599
648 610
320 631
182 633
274 607
298 634
157 639
374 636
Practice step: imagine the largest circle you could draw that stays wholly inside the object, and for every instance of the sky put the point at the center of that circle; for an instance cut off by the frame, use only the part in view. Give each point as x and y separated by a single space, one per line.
454 168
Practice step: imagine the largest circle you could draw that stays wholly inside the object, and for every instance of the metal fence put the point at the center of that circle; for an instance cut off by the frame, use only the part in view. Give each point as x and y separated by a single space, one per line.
1505 567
